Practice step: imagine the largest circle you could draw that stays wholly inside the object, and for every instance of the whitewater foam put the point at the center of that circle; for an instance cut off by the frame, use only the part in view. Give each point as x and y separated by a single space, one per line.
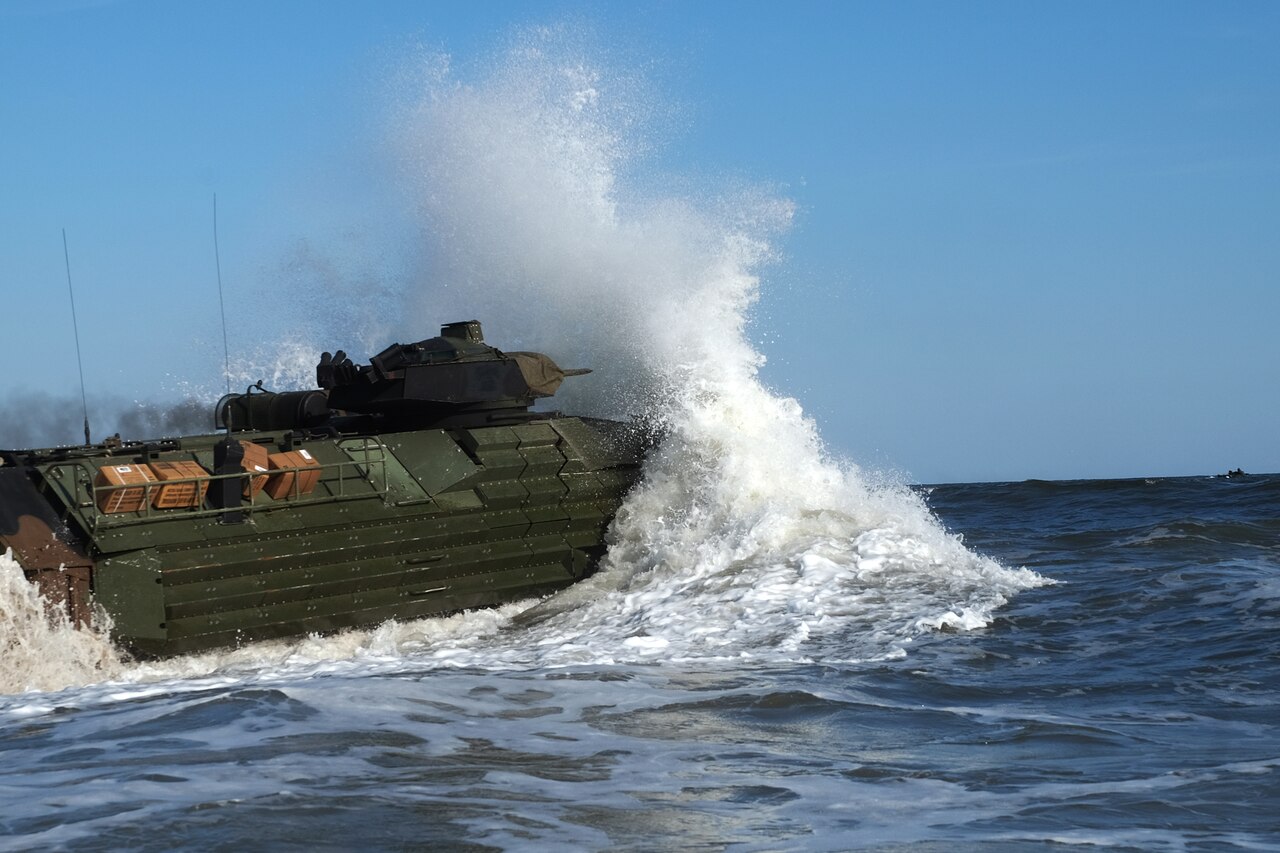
41 651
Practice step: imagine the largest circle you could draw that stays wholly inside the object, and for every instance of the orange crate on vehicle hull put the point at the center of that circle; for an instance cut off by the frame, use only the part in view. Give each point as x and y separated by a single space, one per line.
295 473
122 500
256 462
175 495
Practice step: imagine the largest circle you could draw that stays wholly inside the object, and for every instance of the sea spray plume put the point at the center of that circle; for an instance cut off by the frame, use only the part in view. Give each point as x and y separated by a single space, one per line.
42 651
744 538
349 292
288 364
745 541
518 177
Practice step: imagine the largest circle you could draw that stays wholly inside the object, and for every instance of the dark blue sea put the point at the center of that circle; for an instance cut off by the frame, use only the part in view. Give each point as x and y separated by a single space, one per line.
1125 696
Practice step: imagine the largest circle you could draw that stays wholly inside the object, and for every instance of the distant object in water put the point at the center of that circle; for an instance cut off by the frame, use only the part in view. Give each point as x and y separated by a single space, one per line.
1236 473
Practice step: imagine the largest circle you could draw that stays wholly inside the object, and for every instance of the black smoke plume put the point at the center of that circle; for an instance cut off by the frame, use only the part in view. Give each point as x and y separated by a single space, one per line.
39 419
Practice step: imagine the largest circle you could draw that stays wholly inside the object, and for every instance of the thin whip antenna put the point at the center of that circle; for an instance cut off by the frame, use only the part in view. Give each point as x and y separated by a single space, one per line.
75 324
226 351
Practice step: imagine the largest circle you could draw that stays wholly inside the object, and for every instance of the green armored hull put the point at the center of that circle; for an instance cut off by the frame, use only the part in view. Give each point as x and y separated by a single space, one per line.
474 504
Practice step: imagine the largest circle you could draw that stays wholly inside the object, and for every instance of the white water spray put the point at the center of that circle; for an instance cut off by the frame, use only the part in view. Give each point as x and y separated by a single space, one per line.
744 539
43 653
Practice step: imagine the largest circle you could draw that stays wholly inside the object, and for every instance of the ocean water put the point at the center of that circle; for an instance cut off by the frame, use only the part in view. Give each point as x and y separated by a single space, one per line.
1129 704
781 650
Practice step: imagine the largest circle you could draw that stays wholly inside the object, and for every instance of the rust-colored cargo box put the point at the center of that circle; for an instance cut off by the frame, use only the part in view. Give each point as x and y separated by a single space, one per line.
256 462
295 473
112 500
179 495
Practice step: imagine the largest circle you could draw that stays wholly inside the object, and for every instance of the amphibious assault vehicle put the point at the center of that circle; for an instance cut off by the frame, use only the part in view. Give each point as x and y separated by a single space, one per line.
417 484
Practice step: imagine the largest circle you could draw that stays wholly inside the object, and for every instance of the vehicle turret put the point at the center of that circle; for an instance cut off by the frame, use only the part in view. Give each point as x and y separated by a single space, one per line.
452 379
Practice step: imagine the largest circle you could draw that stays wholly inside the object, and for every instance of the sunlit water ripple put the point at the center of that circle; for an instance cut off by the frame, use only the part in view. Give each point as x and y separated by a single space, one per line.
1131 705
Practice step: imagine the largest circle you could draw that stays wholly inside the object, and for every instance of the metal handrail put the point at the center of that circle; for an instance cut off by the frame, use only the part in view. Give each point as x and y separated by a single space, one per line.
346 470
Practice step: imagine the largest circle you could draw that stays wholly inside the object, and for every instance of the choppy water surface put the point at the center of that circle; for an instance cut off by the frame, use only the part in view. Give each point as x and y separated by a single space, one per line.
1129 705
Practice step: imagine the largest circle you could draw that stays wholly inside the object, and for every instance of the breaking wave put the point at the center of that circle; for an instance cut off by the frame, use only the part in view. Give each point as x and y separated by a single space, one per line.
746 537
40 652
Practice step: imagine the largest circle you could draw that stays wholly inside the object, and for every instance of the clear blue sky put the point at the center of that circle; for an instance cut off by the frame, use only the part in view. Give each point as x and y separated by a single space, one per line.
1033 239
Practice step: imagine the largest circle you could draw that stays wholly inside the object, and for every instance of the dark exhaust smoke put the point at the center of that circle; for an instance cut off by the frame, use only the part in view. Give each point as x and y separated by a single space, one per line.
39 419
